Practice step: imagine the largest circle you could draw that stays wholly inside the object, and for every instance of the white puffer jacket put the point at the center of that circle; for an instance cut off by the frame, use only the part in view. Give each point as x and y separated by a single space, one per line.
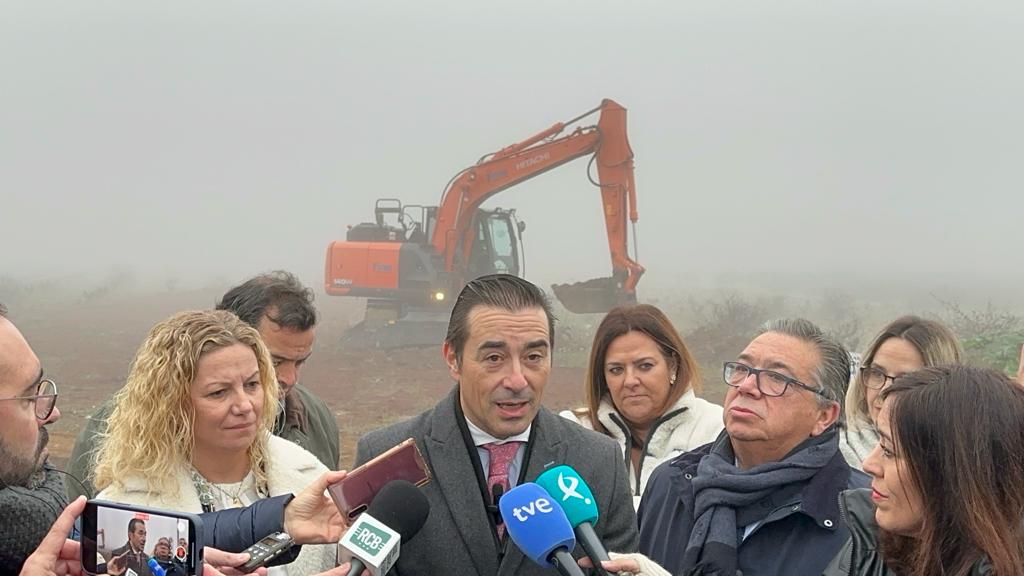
691 422
290 468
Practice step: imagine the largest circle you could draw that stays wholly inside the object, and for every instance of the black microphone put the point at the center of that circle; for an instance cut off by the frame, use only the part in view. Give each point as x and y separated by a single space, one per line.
396 514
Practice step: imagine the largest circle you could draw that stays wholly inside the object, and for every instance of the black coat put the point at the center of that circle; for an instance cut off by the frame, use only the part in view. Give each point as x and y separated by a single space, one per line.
800 533
860 555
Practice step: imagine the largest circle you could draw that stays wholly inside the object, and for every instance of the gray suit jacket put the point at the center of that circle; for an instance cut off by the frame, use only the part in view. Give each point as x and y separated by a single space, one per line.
457 538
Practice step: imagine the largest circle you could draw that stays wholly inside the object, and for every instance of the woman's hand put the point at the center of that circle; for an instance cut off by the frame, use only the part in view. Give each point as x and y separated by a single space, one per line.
311 517
219 563
628 565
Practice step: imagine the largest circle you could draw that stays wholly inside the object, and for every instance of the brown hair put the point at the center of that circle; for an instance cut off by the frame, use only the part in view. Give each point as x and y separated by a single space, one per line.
652 322
933 340
960 431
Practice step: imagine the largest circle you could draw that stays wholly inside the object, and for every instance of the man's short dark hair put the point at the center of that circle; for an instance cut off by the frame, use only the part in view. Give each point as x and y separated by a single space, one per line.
133 523
3 310
503 291
290 302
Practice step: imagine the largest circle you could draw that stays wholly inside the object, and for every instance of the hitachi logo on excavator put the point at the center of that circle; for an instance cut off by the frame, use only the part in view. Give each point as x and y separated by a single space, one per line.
535 160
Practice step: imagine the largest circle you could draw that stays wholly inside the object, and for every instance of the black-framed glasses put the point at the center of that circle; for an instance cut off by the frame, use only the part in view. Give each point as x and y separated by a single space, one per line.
769 382
44 399
874 377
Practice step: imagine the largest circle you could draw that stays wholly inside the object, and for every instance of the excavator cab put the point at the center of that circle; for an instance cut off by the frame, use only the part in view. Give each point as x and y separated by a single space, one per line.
498 246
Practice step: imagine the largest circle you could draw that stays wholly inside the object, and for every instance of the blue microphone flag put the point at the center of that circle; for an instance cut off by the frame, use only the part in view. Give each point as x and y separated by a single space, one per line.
536 523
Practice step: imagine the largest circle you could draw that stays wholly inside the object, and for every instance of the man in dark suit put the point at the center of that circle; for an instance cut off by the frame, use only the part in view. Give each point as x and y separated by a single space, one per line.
132 555
491 433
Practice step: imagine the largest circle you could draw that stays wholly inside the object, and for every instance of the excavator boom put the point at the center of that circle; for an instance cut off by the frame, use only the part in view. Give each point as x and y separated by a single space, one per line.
607 141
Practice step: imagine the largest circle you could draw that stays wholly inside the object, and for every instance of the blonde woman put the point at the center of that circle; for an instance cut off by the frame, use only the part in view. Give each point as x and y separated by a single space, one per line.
905 345
190 429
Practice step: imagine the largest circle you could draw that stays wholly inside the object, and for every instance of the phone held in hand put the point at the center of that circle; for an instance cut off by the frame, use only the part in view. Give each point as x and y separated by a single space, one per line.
266 550
121 539
353 495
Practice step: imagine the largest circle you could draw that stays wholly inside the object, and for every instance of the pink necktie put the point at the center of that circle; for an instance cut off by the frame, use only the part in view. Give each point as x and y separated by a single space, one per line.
497 471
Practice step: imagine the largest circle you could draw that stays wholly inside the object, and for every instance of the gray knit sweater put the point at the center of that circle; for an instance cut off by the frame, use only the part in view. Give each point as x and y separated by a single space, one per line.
26 515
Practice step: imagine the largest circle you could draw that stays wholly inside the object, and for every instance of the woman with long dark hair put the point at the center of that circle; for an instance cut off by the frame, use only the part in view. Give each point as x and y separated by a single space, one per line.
947 495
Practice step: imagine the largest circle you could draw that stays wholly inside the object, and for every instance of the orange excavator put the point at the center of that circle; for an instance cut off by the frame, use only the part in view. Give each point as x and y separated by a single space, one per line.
413 259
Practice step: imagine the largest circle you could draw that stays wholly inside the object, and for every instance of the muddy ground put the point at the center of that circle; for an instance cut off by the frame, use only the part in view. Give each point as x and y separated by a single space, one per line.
87 343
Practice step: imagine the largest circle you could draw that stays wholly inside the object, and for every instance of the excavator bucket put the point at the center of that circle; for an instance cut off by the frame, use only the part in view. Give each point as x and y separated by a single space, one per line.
598 295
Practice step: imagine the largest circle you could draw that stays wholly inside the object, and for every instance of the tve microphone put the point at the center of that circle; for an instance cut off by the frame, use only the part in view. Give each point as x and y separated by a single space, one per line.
539 528
574 496
156 568
396 514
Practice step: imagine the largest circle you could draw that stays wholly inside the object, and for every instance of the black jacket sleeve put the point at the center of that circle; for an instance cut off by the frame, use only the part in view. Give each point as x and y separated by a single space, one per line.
235 529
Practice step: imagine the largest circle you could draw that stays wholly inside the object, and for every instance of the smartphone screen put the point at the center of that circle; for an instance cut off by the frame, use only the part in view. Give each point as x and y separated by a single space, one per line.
122 539
402 462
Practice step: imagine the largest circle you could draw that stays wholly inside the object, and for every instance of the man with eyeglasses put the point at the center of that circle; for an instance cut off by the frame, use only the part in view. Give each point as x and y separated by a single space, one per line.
31 491
763 498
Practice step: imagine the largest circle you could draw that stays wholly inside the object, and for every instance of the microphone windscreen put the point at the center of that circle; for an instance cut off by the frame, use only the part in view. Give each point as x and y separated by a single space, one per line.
535 523
571 492
401 506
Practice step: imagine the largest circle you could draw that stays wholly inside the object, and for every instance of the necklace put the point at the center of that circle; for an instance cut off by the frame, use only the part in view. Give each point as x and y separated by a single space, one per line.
235 495
204 488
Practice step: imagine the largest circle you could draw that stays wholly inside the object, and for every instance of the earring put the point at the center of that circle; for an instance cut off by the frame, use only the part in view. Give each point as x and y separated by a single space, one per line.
672 380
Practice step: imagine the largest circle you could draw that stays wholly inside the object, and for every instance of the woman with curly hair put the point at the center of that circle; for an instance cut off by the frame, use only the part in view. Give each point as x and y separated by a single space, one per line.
904 345
190 429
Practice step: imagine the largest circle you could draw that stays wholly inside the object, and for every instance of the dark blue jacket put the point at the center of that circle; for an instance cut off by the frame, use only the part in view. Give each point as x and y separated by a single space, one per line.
801 530
235 529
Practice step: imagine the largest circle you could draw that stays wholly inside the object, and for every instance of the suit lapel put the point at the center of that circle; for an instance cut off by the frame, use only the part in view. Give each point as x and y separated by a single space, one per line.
456 480
546 450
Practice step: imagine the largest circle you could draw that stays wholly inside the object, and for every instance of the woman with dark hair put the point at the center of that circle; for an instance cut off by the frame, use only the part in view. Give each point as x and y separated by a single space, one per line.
640 390
947 496
904 345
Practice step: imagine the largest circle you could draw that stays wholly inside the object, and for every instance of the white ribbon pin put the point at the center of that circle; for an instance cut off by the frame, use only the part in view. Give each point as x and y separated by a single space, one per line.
568 487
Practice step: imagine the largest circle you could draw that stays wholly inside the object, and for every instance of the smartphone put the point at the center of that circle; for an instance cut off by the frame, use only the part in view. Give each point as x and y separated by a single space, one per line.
121 538
266 550
403 462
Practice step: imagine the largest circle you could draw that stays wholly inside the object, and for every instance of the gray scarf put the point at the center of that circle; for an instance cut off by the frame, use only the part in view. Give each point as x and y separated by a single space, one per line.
720 488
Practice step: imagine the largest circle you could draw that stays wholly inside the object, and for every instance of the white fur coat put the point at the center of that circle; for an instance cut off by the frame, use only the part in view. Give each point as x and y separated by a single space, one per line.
698 424
290 468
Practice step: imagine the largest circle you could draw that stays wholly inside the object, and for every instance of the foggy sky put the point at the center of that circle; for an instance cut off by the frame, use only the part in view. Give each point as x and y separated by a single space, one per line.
868 141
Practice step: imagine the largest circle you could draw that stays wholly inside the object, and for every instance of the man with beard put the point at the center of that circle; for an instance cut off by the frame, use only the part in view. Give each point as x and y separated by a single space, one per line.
31 491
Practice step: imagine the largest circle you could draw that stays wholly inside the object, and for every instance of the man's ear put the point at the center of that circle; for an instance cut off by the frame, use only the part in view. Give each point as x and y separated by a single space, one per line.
826 418
450 358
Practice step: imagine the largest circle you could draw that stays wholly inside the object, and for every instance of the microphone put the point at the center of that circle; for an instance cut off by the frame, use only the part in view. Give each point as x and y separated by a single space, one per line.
396 514
571 492
155 568
539 528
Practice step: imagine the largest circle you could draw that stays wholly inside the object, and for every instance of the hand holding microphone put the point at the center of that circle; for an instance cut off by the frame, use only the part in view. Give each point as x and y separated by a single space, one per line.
539 528
571 492
396 514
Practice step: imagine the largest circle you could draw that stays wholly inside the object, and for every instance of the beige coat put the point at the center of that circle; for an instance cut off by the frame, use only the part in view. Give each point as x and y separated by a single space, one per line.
289 469
690 423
